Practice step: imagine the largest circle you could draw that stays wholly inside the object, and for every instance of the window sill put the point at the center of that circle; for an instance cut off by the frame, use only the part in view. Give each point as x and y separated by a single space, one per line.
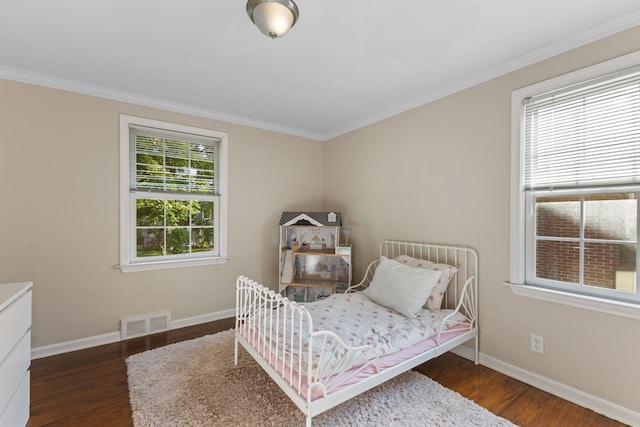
616 308
163 265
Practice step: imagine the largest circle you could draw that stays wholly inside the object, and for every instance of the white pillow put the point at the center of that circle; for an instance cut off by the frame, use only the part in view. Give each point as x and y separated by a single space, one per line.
401 288
435 299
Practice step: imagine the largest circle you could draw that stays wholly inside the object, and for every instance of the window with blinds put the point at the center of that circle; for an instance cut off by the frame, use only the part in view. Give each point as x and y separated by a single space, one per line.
174 187
586 136
581 181
174 193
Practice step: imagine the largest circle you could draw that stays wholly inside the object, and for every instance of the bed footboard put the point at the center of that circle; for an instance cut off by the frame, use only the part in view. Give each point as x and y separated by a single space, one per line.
279 334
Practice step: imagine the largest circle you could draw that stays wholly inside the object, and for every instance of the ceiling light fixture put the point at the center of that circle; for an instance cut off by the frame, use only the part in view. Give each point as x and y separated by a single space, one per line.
273 17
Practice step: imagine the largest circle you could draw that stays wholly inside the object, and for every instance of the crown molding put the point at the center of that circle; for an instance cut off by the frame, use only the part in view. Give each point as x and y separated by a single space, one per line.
594 34
53 82
574 42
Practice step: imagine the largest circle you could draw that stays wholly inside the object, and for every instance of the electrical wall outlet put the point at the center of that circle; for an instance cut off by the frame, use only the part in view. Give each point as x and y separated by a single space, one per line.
537 344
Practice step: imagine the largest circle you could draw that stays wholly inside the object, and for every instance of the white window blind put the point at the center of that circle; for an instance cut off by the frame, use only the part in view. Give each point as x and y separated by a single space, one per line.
584 136
168 162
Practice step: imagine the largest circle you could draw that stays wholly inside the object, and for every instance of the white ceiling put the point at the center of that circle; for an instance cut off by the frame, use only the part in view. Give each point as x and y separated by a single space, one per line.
345 64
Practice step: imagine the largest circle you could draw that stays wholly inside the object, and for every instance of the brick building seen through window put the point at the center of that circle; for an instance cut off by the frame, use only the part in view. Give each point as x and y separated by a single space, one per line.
609 239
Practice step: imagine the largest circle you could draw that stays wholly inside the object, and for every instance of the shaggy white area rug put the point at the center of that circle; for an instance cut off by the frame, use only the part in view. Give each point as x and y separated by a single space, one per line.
195 383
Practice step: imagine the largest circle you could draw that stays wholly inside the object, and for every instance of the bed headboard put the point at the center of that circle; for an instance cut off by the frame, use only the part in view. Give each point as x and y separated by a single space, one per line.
465 259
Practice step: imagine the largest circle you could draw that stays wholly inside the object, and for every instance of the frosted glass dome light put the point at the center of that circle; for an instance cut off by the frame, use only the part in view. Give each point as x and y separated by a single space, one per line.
274 18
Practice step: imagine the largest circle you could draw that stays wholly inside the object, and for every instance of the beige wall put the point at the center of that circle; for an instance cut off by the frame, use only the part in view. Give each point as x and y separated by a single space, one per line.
59 215
441 173
437 173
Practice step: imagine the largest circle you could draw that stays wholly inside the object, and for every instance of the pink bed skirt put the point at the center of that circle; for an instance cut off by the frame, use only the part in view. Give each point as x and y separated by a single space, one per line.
299 383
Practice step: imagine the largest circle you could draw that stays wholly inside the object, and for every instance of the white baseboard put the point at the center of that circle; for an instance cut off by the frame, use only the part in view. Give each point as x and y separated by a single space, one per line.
73 345
197 320
596 404
601 406
464 351
111 337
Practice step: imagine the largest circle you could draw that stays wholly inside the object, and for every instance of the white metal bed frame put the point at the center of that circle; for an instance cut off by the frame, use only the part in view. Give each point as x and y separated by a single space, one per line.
259 309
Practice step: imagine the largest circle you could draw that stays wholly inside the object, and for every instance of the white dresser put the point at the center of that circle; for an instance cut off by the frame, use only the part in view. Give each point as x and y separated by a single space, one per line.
15 353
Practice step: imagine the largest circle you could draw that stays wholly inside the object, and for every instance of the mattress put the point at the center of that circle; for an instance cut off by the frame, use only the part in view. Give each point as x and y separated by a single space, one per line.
357 321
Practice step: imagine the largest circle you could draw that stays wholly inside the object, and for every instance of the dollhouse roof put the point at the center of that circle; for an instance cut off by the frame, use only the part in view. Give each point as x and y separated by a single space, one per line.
311 218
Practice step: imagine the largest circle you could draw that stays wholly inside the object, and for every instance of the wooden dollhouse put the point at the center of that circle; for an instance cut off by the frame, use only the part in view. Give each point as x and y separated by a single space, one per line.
313 262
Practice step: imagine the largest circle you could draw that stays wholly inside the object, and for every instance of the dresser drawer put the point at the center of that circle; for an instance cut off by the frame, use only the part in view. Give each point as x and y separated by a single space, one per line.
16 414
13 370
15 320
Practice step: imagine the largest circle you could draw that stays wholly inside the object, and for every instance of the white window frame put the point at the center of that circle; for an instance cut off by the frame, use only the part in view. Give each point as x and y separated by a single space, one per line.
128 260
518 240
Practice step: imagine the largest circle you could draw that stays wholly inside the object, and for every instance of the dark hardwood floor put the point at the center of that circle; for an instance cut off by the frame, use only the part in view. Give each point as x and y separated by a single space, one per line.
89 387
